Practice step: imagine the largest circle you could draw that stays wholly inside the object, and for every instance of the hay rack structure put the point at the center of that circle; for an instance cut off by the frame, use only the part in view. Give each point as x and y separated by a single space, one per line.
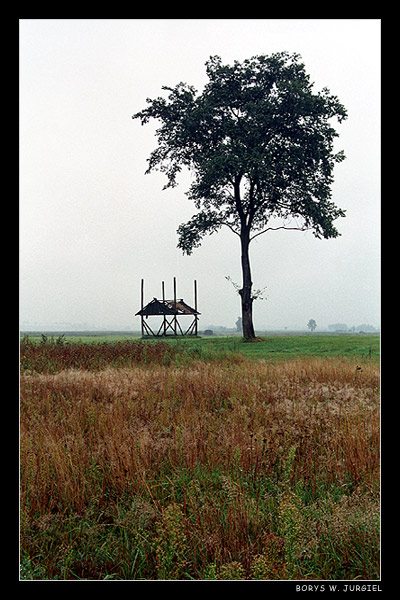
171 312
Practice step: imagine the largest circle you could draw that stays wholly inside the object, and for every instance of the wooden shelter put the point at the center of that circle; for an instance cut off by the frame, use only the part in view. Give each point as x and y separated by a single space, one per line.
171 311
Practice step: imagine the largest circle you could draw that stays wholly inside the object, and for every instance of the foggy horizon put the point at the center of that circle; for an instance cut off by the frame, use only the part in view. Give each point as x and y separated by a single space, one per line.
92 224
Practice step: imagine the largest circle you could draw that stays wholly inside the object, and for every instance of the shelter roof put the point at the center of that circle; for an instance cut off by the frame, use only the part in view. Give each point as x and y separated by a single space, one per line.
167 307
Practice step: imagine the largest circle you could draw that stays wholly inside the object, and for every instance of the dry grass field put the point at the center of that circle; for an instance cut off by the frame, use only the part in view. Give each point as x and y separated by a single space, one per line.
199 469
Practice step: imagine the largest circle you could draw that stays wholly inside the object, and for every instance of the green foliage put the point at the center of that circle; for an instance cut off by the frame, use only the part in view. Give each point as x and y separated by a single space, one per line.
170 544
89 355
259 142
312 325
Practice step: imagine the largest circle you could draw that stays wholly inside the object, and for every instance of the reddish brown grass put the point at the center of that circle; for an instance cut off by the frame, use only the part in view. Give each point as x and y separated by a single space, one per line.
183 436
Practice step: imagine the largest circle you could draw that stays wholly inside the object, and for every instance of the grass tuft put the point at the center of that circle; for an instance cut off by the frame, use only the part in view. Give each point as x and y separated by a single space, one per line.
151 462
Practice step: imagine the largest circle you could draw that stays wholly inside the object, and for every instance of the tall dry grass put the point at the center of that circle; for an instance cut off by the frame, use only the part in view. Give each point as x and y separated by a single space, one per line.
224 470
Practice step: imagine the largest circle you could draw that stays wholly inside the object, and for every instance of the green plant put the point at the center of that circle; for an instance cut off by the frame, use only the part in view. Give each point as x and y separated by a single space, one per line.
30 570
232 570
291 526
170 544
200 469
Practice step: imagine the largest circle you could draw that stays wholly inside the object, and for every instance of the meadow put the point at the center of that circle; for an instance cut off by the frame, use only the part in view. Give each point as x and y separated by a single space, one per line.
203 459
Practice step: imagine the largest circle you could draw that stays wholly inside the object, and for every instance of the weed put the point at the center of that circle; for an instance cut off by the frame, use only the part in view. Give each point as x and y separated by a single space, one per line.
135 465
54 356
232 570
170 544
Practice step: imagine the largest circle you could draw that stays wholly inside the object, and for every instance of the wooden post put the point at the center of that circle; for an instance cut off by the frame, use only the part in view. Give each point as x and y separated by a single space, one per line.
165 316
175 305
195 306
141 316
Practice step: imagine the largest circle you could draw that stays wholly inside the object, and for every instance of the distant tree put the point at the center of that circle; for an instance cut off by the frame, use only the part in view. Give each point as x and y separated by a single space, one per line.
311 325
259 144
239 324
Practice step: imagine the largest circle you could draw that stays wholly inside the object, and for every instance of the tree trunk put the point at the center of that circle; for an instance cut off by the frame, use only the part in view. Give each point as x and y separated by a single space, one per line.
245 292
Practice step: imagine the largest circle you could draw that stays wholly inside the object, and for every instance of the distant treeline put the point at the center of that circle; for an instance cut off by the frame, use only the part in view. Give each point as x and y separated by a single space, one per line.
359 328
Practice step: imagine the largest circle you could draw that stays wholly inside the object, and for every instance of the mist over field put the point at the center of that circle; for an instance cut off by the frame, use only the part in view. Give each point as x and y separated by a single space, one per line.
92 224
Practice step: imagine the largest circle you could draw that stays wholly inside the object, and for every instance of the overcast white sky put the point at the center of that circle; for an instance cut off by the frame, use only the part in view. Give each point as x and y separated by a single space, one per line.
92 224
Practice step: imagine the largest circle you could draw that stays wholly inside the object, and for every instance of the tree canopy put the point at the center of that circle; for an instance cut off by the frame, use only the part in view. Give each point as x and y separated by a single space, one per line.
260 146
257 126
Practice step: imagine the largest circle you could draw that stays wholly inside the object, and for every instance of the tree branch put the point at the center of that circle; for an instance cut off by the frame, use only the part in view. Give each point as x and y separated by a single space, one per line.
230 227
237 199
281 227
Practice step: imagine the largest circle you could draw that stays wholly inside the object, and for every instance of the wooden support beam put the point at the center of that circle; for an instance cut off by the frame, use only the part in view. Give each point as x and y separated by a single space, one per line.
175 319
165 318
195 305
180 328
142 298
170 324
192 328
148 330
